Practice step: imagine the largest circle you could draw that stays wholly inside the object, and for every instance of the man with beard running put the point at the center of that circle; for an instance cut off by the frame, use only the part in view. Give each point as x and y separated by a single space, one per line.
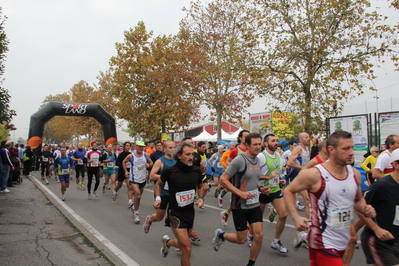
183 180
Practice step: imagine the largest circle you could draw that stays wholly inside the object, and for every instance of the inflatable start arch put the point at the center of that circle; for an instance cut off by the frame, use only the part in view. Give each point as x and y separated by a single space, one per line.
51 109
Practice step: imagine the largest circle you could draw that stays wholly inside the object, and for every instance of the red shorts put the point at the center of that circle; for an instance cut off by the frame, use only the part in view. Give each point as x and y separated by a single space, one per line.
325 257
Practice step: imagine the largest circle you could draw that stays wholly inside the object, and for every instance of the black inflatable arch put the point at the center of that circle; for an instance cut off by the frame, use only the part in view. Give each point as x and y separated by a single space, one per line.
51 109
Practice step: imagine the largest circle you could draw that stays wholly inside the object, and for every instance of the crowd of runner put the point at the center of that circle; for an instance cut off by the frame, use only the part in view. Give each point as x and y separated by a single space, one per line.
260 176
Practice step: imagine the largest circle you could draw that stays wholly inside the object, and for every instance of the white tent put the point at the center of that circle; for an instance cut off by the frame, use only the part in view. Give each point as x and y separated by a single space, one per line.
227 136
234 135
205 136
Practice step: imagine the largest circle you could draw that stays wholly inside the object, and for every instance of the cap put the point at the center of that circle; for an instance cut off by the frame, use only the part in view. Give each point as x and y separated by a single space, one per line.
140 143
395 155
93 143
221 147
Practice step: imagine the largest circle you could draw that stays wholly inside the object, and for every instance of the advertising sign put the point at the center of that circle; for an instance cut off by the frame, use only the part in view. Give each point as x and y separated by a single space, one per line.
357 125
260 123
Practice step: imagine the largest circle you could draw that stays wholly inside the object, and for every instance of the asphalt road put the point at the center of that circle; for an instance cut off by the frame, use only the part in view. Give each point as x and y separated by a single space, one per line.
115 222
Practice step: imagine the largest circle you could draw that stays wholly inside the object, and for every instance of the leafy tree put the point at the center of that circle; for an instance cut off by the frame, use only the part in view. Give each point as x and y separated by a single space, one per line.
6 113
316 54
216 42
150 83
4 132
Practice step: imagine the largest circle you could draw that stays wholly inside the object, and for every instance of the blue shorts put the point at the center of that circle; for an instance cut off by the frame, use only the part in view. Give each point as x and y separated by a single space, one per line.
109 172
64 178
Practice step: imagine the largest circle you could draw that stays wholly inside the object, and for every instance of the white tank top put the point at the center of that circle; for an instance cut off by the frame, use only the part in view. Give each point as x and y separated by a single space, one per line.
332 210
138 171
305 156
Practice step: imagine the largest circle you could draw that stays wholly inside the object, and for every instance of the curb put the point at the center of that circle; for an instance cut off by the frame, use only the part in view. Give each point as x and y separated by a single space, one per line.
112 252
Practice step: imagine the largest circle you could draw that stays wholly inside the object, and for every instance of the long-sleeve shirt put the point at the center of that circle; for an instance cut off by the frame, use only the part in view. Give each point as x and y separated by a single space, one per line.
5 157
369 160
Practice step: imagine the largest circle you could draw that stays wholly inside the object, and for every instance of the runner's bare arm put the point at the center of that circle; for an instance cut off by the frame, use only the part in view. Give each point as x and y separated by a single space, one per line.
125 161
312 163
158 166
377 173
308 179
296 152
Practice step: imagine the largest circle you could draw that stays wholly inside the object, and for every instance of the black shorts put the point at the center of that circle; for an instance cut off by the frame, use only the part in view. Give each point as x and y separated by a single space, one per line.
379 252
141 185
206 178
185 221
121 176
264 199
164 203
246 216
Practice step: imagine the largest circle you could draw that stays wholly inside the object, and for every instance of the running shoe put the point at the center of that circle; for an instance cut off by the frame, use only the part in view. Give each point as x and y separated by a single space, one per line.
136 218
216 193
147 224
82 187
63 197
77 186
299 206
46 182
194 237
103 189
89 196
278 246
209 187
220 201
217 241
114 196
272 214
298 241
165 248
196 198
95 193
225 217
107 187
250 238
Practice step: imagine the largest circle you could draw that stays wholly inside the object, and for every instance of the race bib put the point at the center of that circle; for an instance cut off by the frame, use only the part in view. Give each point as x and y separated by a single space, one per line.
65 171
128 165
80 162
255 198
340 217
110 165
219 166
166 186
94 163
185 198
45 159
274 181
139 168
396 218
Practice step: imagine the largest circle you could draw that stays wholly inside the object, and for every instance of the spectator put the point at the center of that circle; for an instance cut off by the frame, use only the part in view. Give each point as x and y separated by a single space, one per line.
28 160
6 165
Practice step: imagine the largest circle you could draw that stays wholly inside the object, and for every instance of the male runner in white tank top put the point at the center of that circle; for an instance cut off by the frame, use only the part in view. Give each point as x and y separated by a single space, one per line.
334 192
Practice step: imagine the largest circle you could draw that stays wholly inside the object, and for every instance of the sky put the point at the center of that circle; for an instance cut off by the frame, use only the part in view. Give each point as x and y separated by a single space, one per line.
56 44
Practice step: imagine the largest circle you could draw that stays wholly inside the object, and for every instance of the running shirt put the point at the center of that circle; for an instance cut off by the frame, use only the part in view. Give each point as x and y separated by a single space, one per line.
245 172
79 154
270 163
95 156
62 165
304 158
110 164
383 196
119 161
332 210
384 162
46 157
237 151
219 169
138 171
166 163
183 181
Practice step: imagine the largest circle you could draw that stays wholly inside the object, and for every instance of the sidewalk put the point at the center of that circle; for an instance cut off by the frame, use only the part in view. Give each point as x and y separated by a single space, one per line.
34 232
